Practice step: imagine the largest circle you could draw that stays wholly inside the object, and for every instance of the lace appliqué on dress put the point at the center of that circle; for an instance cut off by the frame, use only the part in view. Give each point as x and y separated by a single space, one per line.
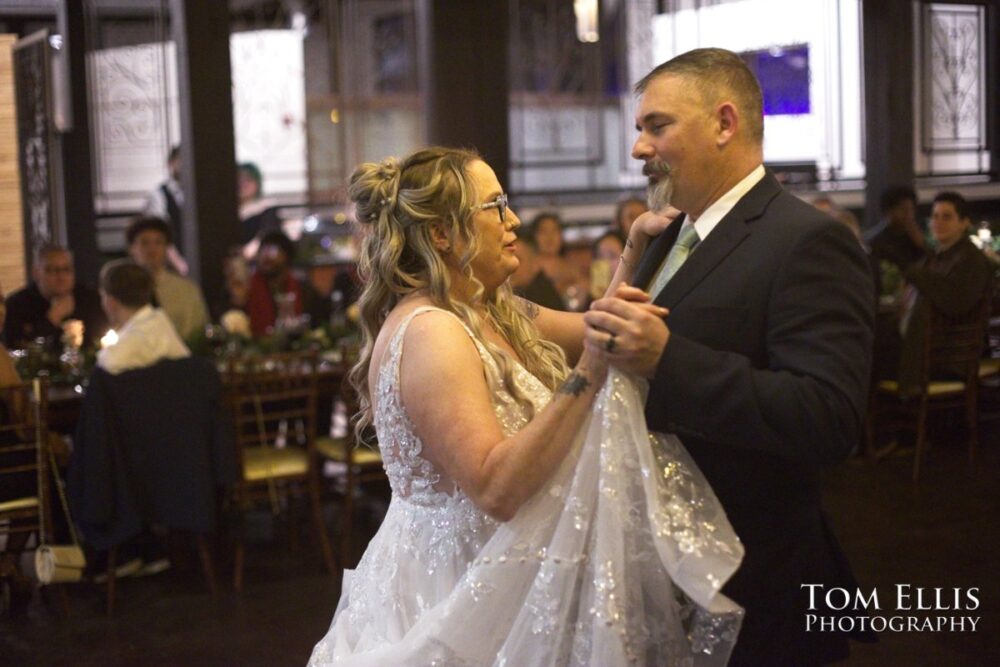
617 561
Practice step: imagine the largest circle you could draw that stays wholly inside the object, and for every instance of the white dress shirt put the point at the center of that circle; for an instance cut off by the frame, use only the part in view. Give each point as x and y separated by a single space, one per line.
156 203
721 207
146 338
714 214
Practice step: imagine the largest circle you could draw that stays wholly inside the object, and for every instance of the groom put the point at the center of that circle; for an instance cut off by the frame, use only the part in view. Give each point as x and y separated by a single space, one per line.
761 366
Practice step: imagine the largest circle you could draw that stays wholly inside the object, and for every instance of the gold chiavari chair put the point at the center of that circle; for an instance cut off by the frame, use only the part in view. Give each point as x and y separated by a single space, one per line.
273 404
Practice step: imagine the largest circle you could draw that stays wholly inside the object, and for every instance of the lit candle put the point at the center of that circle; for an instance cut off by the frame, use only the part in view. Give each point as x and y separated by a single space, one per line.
109 338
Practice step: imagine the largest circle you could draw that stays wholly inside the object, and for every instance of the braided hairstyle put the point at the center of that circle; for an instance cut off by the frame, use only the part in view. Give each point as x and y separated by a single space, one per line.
397 202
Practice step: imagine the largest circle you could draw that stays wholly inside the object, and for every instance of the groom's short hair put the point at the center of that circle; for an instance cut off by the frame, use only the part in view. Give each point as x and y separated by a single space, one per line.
721 75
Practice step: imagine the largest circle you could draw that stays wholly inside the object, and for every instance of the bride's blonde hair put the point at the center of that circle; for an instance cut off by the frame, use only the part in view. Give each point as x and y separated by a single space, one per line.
397 202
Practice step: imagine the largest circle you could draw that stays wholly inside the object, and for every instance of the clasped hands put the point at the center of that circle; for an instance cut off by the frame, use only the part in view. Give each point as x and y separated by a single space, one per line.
627 331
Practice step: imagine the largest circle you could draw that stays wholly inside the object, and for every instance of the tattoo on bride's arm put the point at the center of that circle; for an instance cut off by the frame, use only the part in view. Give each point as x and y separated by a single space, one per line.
530 310
574 385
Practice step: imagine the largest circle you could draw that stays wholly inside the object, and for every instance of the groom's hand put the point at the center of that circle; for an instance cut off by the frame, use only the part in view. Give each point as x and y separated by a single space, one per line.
636 327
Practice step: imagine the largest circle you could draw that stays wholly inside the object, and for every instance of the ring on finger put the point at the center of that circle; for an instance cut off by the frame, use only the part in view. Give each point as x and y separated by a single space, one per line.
610 345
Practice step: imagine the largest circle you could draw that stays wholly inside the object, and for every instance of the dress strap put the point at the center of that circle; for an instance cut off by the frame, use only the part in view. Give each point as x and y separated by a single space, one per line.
397 337
394 353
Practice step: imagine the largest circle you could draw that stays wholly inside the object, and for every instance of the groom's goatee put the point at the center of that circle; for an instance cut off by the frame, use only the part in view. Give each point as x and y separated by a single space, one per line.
661 190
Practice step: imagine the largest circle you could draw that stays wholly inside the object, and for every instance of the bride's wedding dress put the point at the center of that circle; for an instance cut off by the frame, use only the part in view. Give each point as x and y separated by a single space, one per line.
617 561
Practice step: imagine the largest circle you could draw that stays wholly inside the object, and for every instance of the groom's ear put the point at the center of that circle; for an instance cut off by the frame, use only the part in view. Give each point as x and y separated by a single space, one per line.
727 120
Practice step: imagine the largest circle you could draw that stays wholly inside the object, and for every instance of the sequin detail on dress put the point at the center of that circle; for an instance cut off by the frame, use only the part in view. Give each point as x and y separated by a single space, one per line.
617 561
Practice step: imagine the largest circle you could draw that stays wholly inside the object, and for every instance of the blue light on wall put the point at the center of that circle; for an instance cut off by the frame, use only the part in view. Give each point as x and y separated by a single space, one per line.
783 73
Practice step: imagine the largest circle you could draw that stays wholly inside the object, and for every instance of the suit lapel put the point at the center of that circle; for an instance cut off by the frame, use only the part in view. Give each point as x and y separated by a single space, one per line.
727 235
656 252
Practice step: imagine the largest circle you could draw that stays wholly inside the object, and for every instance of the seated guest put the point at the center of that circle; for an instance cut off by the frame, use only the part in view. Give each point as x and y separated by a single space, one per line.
849 220
40 309
841 215
273 283
608 249
148 240
161 439
529 281
547 228
897 238
145 334
236 272
626 212
825 204
951 279
17 485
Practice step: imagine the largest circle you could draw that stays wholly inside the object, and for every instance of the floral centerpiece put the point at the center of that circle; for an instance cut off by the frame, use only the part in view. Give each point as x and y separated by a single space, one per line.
334 342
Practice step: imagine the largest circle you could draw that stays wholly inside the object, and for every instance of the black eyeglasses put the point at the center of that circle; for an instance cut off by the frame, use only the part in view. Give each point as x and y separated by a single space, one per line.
500 203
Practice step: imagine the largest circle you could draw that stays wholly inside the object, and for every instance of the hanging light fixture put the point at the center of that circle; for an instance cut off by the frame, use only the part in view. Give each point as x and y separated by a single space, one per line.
586 20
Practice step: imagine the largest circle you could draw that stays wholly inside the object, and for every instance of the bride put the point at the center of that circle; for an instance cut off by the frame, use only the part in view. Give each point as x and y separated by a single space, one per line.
534 520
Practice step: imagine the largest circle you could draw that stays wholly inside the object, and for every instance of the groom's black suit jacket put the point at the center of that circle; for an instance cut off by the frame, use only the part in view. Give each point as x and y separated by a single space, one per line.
764 378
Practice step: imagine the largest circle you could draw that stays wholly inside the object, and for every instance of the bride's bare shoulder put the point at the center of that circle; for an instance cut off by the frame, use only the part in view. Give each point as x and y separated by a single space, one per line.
396 317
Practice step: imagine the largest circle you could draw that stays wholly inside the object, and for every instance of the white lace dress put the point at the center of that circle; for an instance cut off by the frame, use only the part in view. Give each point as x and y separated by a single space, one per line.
617 561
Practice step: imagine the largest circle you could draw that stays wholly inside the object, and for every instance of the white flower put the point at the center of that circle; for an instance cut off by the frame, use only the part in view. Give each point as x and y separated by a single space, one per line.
236 322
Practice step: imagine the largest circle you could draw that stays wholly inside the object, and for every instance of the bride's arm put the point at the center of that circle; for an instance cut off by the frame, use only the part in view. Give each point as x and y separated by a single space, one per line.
448 401
566 329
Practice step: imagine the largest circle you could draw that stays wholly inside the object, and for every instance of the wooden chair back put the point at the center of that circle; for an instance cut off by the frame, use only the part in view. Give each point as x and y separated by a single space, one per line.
954 345
273 401
24 465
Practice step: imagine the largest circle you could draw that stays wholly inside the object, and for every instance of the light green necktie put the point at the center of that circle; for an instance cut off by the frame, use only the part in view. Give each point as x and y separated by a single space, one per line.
686 241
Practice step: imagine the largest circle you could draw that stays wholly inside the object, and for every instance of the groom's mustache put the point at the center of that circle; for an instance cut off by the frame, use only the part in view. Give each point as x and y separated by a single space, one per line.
656 168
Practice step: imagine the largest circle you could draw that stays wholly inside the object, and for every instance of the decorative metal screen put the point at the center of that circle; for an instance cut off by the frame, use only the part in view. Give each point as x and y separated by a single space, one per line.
134 121
953 94
36 143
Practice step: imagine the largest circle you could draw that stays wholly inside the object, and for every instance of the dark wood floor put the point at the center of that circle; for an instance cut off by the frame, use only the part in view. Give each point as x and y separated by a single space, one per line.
944 534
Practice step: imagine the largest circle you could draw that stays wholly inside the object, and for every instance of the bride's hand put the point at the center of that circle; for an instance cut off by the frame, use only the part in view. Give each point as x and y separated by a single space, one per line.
627 292
645 228
652 224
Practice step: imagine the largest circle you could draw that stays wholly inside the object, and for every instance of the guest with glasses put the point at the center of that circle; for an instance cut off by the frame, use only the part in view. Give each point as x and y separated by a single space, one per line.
40 309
